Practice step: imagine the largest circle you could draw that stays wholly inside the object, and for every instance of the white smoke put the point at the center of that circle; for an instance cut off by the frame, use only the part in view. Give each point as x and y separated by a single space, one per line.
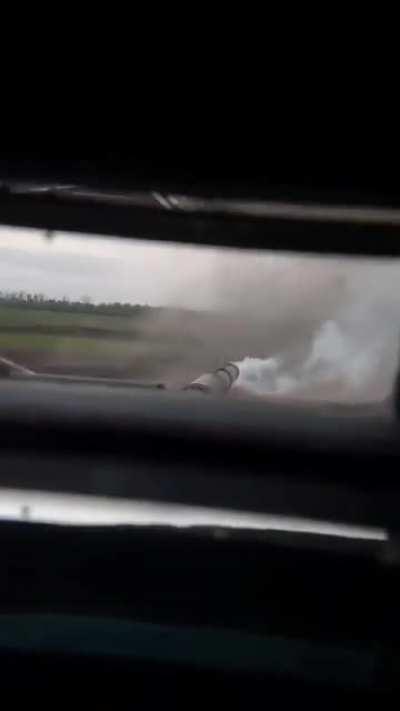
335 354
350 352
341 365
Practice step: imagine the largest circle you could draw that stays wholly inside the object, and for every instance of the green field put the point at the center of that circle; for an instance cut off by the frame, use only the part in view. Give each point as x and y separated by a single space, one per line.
62 341
171 345
12 316
69 345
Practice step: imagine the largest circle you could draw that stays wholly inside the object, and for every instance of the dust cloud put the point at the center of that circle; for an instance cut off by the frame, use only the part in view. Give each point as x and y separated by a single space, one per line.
298 327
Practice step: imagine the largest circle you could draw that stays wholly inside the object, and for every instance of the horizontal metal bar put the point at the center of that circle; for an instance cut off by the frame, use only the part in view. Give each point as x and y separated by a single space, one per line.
323 229
308 462
87 380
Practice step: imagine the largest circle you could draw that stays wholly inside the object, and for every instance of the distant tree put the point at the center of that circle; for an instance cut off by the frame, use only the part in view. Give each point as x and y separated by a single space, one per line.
39 301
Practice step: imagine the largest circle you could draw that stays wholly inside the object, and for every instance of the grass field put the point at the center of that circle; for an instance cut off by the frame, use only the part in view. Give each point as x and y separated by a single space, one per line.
61 342
12 316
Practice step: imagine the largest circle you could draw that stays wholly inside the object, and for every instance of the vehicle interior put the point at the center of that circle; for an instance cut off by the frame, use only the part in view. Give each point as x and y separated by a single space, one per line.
296 604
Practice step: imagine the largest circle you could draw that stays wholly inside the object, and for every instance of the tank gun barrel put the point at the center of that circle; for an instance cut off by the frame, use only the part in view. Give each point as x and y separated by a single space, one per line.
218 382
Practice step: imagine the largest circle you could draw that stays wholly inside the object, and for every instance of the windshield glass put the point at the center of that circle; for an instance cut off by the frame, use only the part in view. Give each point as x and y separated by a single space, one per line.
299 328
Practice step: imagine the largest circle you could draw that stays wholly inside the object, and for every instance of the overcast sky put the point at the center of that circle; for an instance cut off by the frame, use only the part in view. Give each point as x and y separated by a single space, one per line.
193 277
106 269
154 273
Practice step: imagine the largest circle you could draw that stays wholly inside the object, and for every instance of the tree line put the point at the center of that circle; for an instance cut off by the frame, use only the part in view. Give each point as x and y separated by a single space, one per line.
27 300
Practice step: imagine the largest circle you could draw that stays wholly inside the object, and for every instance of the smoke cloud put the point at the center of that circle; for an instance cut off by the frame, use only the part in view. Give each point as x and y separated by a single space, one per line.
351 353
